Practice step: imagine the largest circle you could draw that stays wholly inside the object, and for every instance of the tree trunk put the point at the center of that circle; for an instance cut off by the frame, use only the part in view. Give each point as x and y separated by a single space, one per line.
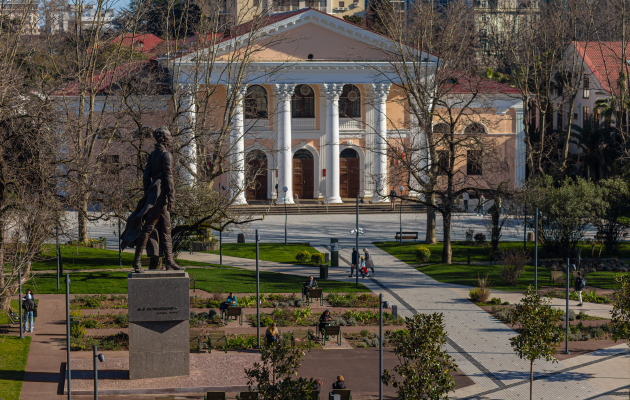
431 223
82 218
531 380
447 254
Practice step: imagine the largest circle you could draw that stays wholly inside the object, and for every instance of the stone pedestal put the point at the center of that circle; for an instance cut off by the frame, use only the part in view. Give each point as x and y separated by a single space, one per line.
158 324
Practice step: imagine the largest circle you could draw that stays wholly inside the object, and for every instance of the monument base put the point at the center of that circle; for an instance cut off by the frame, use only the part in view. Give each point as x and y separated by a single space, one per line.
158 324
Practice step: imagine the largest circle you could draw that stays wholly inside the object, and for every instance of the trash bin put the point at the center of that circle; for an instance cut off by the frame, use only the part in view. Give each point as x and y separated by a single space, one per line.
323 272
240 238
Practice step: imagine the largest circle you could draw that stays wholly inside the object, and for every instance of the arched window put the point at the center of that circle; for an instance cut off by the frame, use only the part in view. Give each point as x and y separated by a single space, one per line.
350 102
349 153
441 128
475 129
303 102
303 154
256 105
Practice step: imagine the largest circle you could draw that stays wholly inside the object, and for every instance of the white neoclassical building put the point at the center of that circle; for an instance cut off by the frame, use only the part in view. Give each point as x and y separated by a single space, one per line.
318 108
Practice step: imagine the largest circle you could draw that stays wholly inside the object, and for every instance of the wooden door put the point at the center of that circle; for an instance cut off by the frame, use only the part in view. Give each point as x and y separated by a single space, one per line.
349 175
303 178
257 190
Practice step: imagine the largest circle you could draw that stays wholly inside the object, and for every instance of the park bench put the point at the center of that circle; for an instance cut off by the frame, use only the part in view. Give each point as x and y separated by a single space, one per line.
217 338
234 312
557 277
407 235
14 320
248 396
301 337
215 396
314 294
192 282
333 331
195 341
343 393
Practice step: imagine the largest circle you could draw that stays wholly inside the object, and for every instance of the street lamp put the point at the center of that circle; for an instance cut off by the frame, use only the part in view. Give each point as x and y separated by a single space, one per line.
538 215
100 358
401 189
68 366
221 240
380 344
357 232
285 214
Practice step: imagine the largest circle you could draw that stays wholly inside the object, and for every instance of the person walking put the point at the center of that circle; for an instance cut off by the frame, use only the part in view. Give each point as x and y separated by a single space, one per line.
392 199
579 286
480 206
355 262
30 311
369 263
466 197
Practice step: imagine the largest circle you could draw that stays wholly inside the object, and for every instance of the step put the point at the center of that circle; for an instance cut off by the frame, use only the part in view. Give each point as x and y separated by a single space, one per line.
331 209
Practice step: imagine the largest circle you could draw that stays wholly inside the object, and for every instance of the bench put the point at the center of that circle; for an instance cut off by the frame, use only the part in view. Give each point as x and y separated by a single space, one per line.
14 320
343 393
407 235
247 396
301 337
557 277
334 331
314 294
234 312
194 337
192 282
215 396
217 338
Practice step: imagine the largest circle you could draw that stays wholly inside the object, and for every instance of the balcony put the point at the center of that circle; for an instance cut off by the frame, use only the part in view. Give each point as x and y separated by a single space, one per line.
303 124
256 125
350 124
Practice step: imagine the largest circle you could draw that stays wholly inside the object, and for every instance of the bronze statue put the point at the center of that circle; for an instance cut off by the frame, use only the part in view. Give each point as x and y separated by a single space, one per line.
149 226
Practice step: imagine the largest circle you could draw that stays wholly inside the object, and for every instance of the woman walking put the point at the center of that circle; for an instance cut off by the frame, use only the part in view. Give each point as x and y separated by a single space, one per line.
368 260
30 311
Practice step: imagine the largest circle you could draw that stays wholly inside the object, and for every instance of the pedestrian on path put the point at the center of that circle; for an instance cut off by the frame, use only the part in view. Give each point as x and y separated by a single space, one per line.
363 269
579 286
369 263
392 199
355 262
480 206
466 197
30 310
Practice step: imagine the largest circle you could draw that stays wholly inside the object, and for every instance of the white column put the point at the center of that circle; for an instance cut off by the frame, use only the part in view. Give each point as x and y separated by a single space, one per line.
520 146
237 142
333 91
381 91
284 91
186 125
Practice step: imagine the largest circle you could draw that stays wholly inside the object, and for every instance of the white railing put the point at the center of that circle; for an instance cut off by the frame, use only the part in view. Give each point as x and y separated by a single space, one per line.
257 124
349 124
302 124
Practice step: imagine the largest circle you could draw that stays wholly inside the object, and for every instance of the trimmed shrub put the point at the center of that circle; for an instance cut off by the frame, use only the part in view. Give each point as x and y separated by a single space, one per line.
91 324
317 258
480 238
297 303
303 257
122 320
78 331
495 301
423 254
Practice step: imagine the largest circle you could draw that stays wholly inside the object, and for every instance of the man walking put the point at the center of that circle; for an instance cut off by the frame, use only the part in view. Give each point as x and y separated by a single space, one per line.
579 286
392 199
355 262
466 197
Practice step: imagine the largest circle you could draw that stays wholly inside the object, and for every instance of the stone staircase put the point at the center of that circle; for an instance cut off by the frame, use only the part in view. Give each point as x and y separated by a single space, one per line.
318 207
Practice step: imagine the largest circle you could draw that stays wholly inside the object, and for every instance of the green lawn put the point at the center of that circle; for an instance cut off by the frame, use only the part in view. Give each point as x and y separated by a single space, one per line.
406 251
468 274
277 252
13 357
226 279
74 258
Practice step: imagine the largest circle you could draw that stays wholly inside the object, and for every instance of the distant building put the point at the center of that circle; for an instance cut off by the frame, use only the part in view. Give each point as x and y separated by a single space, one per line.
25 11
61 16
242 10
142 43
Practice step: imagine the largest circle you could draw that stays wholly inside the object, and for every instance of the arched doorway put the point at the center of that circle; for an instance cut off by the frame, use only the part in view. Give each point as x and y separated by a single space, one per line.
256 175
303 174
349 173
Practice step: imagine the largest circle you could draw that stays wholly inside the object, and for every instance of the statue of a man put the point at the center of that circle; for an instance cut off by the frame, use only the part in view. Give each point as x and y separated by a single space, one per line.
149 226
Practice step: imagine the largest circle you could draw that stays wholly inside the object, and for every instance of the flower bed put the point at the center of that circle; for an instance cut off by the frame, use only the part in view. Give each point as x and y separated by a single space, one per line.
589 296
304 317
116 342
366 339
365 300
102 301
272 300
103 321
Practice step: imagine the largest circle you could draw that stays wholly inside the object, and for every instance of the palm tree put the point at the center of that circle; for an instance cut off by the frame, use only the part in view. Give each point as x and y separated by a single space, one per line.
600 147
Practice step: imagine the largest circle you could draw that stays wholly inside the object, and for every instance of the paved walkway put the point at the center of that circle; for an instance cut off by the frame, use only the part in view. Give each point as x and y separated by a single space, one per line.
478 342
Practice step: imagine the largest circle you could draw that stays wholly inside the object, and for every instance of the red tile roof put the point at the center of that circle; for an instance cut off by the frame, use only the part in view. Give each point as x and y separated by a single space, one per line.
142 42
605 61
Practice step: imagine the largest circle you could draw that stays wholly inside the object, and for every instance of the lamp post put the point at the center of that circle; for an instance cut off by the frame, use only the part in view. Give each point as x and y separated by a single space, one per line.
538 215
68 368
100 358
58 254
20 300
257 294
380 344
119 248
401 189
566 315
357 231
285 214
221 240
